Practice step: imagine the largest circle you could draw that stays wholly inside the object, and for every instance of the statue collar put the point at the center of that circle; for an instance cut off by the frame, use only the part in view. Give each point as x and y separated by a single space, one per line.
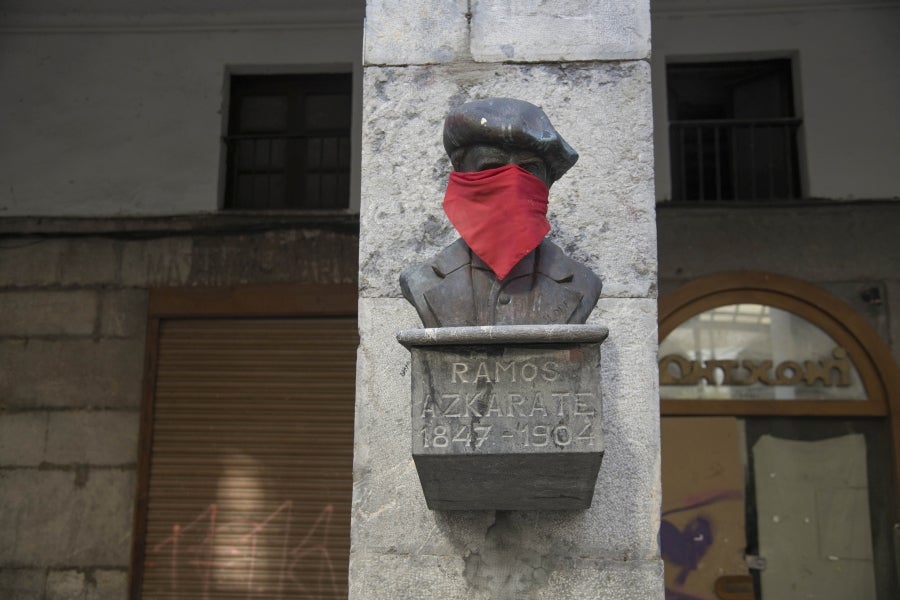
550 259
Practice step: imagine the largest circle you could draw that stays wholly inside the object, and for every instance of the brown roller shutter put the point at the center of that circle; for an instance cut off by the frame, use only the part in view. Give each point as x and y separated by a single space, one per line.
250 472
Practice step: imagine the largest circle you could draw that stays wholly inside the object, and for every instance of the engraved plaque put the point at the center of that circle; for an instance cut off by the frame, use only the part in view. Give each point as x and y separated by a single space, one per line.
507 417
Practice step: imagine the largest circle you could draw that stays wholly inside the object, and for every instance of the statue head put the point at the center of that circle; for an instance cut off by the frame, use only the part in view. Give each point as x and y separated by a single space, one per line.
484 134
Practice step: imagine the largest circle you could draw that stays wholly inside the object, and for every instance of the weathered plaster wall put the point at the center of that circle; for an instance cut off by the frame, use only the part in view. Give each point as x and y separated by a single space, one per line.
592 79
848 249
846 81
123 114
73 313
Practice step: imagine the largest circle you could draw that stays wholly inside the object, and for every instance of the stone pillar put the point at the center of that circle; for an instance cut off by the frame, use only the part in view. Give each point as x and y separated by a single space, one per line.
586 64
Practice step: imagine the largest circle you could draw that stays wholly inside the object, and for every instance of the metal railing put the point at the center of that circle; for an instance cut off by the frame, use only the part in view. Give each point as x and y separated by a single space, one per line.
734 159
272 171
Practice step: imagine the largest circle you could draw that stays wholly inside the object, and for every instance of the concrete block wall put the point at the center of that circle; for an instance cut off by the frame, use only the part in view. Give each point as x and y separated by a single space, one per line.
71 350
586 64
73 313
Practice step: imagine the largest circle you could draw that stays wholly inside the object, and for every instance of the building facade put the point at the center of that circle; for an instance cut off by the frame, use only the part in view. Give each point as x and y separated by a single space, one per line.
774 145
128 153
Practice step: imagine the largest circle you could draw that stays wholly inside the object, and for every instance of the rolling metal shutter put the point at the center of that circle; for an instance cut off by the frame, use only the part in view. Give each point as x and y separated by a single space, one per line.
251 463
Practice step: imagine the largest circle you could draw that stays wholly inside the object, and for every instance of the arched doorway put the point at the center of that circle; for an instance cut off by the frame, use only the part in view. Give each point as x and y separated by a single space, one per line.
781 433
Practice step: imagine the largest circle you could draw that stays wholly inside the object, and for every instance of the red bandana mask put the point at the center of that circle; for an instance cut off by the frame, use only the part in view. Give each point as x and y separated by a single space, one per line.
501 214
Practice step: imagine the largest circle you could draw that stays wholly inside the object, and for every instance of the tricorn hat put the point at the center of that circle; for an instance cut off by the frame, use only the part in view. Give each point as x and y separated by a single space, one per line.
508 123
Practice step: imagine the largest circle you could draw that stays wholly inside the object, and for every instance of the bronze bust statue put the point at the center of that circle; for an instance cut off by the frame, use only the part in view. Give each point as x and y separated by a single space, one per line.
505 155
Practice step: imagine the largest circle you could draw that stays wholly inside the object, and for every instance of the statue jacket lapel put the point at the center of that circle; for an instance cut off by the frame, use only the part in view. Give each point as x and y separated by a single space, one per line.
549 299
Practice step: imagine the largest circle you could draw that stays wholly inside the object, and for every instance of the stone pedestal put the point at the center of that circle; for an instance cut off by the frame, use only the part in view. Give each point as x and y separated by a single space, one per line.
507 417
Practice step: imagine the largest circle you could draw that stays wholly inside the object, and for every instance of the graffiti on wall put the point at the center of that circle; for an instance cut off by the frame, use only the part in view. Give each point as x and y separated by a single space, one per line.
683 548
267 557
702 532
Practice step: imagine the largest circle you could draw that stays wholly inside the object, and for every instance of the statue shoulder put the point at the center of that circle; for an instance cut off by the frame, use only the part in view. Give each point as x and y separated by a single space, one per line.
559 265
417 279
574 275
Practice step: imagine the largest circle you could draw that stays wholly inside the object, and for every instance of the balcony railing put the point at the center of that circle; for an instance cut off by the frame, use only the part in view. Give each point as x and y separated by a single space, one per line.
734 159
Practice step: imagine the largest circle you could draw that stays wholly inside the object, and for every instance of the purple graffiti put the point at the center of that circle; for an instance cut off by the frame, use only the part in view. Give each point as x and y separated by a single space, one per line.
705 499
685 548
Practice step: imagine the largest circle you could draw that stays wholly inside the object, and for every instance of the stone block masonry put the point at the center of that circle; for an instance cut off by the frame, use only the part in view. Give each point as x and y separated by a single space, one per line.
585 64
567 30
71 350
407 32
73 316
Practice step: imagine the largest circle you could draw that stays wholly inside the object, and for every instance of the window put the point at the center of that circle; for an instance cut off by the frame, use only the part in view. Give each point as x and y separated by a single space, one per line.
288 142
732 131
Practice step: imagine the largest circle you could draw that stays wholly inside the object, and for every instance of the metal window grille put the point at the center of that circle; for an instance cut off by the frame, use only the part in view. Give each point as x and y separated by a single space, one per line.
734 159
288 145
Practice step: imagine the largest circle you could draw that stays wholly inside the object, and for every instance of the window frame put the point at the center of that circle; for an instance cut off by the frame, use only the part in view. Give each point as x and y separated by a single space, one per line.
797 162
351 70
